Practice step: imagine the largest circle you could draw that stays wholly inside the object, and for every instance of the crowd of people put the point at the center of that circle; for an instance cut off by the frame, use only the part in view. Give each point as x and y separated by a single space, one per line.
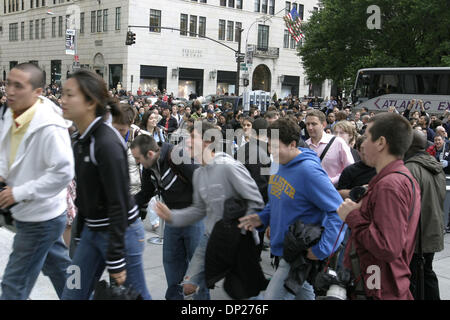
367 188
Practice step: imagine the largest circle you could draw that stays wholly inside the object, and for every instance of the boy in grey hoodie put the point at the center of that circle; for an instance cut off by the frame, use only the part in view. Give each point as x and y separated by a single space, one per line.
220 177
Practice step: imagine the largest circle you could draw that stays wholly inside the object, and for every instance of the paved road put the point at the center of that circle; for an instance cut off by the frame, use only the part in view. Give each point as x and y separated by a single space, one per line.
155 277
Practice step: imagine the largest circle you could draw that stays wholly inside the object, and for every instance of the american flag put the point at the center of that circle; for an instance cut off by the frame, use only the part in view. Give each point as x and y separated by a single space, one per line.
294 24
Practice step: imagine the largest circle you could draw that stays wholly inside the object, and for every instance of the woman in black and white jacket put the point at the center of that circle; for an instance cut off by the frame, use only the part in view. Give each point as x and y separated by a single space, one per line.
109 230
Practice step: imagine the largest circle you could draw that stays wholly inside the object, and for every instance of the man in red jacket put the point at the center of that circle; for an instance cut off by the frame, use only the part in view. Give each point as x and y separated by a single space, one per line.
383 223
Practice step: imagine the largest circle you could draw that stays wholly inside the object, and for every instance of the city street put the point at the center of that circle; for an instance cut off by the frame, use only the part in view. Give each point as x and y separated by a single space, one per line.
154 271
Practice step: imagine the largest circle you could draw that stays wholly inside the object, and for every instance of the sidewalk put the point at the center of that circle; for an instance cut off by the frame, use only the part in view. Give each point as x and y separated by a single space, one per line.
156 281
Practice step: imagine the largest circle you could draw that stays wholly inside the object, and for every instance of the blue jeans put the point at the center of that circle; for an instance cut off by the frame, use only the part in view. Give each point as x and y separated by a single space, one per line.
37 246
178 248
276 290
90 257
195 273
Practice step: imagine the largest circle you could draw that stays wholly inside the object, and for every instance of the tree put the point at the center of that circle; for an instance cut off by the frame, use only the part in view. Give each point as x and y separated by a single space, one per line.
338 42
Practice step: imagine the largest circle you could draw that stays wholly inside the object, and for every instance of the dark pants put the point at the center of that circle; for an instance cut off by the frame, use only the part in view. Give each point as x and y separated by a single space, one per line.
431 285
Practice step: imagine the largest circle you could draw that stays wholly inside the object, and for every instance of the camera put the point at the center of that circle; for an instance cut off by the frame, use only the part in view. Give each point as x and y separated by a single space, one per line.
332 285
357 193
6 212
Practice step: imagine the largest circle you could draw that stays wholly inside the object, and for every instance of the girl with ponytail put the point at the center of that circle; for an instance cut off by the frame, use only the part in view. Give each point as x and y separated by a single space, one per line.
109 232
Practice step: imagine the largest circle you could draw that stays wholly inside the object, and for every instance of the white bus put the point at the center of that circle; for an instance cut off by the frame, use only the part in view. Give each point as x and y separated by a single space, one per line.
379 88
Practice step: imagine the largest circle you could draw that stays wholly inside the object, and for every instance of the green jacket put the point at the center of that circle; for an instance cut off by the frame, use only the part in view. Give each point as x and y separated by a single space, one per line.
429 174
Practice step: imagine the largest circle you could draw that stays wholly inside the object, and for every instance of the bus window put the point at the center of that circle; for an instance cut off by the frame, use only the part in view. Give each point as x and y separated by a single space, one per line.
409 84
428 83
387 84
443 85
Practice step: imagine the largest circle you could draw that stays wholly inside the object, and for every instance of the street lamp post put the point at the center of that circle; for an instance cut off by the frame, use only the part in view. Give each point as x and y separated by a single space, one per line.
76 60
238 62
262 19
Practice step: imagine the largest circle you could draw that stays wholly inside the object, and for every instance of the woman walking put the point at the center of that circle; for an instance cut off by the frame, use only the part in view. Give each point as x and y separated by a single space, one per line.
109 230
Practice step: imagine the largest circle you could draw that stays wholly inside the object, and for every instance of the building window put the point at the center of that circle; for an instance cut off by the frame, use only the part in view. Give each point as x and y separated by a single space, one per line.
66 22
237 33
183 24
231 3
155 20
221 29
118 18
301 10
36 25
223 3
263 37
60 26
105 20
99 20
230 30
315 9
93 17
202 1
13 31
81 22
23 4
257 5
31 4
294 6
293 43
22 31
13 64
272 7
238 4
31 30
264 6
42 28
286 39
193 26
202 26
288 7
53 27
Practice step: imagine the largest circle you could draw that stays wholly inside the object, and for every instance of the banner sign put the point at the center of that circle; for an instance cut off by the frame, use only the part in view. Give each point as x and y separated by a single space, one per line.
70 42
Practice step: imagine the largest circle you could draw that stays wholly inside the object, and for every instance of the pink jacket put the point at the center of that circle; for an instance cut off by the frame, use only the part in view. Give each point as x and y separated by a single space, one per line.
383 235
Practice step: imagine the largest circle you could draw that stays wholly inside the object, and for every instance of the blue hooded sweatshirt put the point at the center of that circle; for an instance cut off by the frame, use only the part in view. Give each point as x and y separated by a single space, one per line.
302 190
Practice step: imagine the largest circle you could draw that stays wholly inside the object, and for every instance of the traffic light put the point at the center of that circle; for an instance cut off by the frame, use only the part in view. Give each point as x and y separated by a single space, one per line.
131 38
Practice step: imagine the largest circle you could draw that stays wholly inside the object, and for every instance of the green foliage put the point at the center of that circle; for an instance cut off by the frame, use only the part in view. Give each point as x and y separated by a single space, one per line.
413 33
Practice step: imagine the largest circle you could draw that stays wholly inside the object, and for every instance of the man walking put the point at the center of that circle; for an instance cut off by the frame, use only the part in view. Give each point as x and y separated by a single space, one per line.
219 178
338 156
299 190
429 174
36 162
173 182
383 224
